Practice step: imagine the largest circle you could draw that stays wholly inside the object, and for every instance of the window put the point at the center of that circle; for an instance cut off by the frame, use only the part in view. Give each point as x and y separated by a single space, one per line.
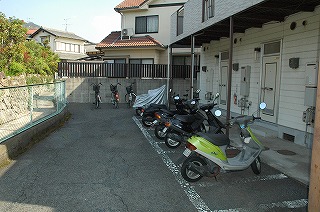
68 47
141 61
117 61
180 15
147 24
45 39
183 60
207 9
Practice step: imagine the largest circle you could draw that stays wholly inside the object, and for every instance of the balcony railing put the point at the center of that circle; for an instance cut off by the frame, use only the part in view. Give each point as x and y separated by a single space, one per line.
113 70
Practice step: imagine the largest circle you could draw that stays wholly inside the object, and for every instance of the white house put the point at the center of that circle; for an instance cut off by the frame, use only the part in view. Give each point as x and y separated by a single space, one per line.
275 57
66 44
144 35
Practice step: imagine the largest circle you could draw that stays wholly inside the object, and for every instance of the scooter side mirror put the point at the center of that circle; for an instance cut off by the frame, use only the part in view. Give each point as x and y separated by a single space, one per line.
217 113
262 105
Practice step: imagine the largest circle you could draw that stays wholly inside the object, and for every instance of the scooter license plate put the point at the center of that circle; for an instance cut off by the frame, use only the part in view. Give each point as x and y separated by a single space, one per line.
164 129
154 122
187 152
141 114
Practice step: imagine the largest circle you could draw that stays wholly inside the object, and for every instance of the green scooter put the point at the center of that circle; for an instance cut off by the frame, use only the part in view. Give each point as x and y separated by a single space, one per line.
208 154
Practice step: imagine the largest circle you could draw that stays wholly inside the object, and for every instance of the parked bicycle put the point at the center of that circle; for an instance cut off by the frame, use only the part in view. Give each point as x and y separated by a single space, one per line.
115 98
130 96
97 97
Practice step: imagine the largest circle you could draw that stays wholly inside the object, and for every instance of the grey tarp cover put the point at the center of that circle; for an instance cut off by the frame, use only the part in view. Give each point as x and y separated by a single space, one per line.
153 96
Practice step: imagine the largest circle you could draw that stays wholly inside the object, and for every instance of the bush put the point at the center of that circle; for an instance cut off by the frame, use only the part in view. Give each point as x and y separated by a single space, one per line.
15 69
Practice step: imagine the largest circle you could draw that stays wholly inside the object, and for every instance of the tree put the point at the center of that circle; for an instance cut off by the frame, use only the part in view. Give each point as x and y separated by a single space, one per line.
18 55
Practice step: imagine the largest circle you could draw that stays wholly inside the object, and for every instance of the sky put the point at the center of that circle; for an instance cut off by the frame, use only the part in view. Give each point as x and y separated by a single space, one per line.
92 20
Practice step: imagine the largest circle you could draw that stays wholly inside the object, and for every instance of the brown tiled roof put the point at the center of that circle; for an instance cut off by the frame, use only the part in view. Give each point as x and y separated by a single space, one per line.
31 31
113 41
129 4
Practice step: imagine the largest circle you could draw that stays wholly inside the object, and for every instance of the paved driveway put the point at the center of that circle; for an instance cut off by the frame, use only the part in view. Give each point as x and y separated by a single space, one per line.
104 160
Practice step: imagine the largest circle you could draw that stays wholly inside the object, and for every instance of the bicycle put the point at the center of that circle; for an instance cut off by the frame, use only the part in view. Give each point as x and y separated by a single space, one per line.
96 89
130 95
115 98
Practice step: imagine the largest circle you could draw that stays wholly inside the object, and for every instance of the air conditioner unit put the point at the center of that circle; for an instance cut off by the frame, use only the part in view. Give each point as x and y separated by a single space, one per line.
126 33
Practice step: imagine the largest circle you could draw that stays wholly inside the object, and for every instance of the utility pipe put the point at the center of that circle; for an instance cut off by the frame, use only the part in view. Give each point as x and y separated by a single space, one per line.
229 74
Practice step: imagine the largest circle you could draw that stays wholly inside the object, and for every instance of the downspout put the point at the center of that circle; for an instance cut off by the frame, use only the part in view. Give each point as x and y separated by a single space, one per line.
192 65
192 62
229 75
168 73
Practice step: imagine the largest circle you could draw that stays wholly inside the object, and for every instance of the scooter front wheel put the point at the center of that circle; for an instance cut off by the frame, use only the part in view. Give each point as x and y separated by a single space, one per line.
189 175
172 140
158 131
256 166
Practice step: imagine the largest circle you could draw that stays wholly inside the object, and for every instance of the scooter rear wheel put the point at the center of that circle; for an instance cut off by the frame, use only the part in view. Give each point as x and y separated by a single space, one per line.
256 166
189 175
172 140
147 120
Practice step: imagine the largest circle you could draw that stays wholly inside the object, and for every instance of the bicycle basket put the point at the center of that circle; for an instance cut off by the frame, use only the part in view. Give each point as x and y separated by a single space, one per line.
96 88
129 89
113 88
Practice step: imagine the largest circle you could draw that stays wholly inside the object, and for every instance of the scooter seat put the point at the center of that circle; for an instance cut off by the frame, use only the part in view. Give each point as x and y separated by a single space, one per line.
207 106
169 112
216 139
185 118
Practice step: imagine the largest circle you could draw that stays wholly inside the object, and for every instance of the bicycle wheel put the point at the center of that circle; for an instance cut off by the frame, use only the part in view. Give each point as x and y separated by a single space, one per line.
127 99
132 100
97 102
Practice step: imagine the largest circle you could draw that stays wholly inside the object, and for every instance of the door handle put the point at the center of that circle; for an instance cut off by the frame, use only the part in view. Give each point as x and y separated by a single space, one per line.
268 89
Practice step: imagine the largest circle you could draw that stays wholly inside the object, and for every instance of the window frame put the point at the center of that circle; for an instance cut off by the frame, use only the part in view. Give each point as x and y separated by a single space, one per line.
208 9
180 17
146 31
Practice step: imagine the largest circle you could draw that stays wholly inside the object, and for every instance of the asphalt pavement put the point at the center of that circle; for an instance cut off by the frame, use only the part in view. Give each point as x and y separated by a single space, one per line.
105 160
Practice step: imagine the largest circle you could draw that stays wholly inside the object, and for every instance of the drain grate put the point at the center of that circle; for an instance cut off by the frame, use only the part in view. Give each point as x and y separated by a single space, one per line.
286 152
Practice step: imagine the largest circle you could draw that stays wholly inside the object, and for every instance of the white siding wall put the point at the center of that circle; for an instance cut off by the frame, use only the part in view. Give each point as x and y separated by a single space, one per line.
193 15
164 13
303 42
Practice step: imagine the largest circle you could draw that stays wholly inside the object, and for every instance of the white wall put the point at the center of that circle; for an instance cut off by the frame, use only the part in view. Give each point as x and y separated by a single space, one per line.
163 35
303 42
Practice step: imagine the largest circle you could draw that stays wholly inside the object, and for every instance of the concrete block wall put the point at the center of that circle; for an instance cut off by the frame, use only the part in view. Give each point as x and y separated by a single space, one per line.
16 145
80 90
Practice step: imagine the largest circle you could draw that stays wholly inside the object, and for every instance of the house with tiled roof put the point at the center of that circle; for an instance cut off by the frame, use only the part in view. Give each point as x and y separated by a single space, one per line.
67 45
145 34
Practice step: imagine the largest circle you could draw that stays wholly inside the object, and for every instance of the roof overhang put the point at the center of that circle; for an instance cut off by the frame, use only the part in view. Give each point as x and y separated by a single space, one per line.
253 17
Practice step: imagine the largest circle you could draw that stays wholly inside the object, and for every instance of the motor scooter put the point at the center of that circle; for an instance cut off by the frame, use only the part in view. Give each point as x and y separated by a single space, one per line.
202 120
182 107
207 153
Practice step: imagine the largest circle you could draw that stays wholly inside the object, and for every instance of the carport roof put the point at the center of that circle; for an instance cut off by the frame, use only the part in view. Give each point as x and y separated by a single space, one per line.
255 16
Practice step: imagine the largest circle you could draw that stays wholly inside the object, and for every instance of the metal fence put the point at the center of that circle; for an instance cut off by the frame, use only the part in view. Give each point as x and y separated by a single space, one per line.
26 106
113 70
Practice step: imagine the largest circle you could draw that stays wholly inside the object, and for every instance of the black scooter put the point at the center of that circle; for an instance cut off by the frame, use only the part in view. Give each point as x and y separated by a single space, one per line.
148 115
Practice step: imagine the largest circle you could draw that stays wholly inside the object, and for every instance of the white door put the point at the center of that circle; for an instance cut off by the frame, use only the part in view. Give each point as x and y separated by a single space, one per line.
223 82
270 87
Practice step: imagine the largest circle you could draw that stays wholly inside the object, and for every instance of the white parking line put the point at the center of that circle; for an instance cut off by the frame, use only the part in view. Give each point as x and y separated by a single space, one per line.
193 196
247 180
